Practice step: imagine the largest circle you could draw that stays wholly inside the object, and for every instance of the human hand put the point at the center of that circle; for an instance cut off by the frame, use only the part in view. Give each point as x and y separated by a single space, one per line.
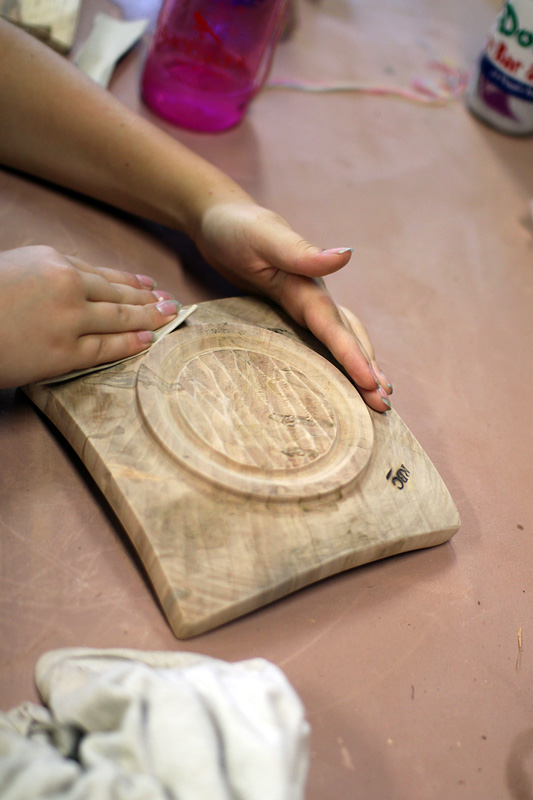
260 253
58 314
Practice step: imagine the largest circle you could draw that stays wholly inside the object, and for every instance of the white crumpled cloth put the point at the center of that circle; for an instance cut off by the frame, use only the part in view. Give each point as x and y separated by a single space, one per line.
133 725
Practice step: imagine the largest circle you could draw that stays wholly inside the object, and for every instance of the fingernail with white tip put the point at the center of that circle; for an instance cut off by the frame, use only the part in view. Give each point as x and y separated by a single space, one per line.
384 398
168 307
159 295
385 380
146 280
338 251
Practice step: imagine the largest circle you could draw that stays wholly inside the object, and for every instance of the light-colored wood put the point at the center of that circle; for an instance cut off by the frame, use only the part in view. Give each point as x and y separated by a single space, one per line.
244 465
254 412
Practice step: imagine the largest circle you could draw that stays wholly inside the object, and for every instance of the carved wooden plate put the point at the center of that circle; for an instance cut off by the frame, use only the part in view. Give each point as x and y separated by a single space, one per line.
253 412
244 465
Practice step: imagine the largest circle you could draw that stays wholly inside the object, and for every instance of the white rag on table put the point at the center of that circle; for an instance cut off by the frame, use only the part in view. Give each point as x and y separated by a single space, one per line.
134 725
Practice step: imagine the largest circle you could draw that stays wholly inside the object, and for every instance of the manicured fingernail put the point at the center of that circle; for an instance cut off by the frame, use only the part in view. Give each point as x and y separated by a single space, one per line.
385 381
146 281
168 307
146 337
162 295
339 251
384 398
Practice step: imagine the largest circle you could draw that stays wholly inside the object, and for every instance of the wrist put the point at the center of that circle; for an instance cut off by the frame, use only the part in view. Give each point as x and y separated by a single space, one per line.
220 199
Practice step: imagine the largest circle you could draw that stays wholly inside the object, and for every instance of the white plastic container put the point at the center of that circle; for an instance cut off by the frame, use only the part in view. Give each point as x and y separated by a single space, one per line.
501 89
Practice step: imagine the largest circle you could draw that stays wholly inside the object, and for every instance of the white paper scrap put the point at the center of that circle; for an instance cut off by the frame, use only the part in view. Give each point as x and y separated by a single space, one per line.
108 41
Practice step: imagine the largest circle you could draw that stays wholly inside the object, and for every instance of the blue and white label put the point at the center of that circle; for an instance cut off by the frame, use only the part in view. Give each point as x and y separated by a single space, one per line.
502 92
505 82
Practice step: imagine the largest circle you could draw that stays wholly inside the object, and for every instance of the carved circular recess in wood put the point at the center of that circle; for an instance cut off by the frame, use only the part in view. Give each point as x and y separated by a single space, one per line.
254 412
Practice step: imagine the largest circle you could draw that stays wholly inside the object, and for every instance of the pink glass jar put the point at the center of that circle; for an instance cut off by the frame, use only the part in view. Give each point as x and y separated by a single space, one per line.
208 58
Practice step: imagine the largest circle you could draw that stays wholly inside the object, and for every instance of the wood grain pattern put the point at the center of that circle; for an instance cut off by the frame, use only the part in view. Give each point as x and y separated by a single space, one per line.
255 413
244 465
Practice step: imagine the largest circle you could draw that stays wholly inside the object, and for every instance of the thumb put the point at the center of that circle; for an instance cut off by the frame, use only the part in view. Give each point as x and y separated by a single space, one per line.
299 257
286 250
324 262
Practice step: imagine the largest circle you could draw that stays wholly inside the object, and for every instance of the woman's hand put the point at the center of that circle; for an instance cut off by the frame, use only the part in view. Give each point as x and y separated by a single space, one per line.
260 253
58 314
102 149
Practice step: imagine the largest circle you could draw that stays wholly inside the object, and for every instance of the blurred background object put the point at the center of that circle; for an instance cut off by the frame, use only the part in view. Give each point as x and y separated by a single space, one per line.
51 21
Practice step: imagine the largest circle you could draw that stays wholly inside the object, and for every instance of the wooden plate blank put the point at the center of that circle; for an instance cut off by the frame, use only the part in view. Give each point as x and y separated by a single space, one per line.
244 465
254 412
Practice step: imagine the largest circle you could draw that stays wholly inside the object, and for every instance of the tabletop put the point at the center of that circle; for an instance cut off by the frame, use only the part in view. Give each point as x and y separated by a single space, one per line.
415 671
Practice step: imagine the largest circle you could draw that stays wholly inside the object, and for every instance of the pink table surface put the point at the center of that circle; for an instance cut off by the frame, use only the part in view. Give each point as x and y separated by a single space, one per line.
409 667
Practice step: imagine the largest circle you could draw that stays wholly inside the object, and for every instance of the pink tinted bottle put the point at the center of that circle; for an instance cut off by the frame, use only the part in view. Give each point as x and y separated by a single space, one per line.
208 58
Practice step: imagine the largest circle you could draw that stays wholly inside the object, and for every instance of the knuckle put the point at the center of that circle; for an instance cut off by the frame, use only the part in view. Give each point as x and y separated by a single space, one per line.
122 278
68 282
45 252
306 247
151 318
119 294
122 314
96 354
65 279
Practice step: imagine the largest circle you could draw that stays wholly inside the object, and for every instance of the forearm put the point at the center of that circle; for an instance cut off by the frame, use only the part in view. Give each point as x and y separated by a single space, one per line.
58 125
